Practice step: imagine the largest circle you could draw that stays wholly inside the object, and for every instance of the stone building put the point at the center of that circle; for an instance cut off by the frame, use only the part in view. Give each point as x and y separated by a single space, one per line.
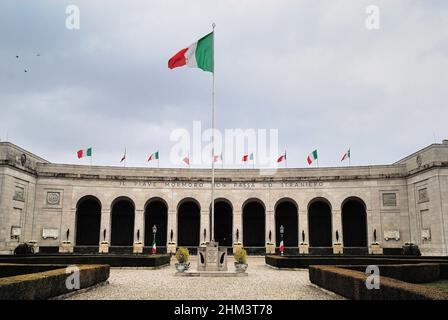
50 203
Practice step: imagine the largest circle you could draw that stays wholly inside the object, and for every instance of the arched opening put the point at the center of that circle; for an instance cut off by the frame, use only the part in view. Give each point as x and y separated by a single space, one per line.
319 224
122 228
156 214
254 224
354 223
188 223
88 221
286 215
223 223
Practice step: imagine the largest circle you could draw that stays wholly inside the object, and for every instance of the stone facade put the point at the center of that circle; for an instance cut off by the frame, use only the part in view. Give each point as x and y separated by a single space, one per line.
404 202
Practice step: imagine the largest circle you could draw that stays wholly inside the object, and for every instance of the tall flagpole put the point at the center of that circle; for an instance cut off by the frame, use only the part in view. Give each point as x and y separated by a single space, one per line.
212 218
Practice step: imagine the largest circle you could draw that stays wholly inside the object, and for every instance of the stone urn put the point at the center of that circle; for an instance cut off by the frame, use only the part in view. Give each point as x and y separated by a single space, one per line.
182 266
240 267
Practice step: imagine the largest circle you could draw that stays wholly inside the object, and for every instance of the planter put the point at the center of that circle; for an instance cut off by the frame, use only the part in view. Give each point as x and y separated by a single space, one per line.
304 248
33 243
138 247
182 266
240 267
270 248
66 247
337 248
375 248
171 248
104 247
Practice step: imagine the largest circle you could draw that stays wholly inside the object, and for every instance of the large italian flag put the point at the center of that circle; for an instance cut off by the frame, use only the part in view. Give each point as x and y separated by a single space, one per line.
84 153
311 157
198 55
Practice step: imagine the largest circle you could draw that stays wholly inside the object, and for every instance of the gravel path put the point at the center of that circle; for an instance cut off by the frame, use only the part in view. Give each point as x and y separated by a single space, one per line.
263 282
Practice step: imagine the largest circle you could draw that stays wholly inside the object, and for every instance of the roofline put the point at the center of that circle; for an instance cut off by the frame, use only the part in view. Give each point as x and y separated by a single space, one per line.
437 145
10 144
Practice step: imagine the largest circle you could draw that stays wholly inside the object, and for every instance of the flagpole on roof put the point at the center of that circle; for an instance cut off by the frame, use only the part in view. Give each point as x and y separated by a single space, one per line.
286 160
349 157
212 236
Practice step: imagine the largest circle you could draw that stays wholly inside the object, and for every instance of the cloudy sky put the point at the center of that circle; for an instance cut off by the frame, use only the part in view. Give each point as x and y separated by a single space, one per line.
310 69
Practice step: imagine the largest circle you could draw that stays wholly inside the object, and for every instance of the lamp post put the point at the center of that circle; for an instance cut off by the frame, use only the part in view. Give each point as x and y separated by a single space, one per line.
154 230
282 231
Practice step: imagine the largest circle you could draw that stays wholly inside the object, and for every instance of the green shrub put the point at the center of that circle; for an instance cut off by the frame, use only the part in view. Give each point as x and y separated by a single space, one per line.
24 248
182 255
240 255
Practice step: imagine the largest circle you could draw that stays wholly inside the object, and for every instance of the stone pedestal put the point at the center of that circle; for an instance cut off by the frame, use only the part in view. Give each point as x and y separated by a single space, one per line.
375 248
104 247
33 243
66 247
304 248
270 248
337 248
138 247
212 257
171 248
236 246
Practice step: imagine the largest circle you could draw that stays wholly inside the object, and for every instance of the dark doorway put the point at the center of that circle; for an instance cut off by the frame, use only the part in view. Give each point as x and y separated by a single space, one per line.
188 224
319 224
354 224
254 221
122 233
156 213
286 216
223 223
88 222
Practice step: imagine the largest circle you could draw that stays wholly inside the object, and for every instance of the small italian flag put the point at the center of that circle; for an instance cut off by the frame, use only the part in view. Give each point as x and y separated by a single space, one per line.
281 158
84 153
198 55
154 156
346 155
311 157
217 157
248 157
154 248
282 247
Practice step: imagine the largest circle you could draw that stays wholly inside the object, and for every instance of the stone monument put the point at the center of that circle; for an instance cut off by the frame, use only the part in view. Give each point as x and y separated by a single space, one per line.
212 257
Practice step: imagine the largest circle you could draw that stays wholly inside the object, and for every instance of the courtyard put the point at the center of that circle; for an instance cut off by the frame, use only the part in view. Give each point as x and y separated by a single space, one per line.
263 282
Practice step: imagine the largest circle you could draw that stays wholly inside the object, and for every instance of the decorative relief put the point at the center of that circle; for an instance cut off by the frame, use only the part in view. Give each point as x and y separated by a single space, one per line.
50 233
426 234
392 234
423 195
19 193
53 198
419 160
389 199
15 232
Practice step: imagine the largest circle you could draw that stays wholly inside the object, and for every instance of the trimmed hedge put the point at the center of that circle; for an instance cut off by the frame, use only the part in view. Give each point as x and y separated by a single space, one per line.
412 273
110 259
304 261
351 284
10 270
49 284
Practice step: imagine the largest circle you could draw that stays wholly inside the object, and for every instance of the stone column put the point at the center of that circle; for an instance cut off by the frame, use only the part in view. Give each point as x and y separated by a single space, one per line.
337 225
106 223
205 224
237 224
303 226
270 226
68 222
172 225
139 225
